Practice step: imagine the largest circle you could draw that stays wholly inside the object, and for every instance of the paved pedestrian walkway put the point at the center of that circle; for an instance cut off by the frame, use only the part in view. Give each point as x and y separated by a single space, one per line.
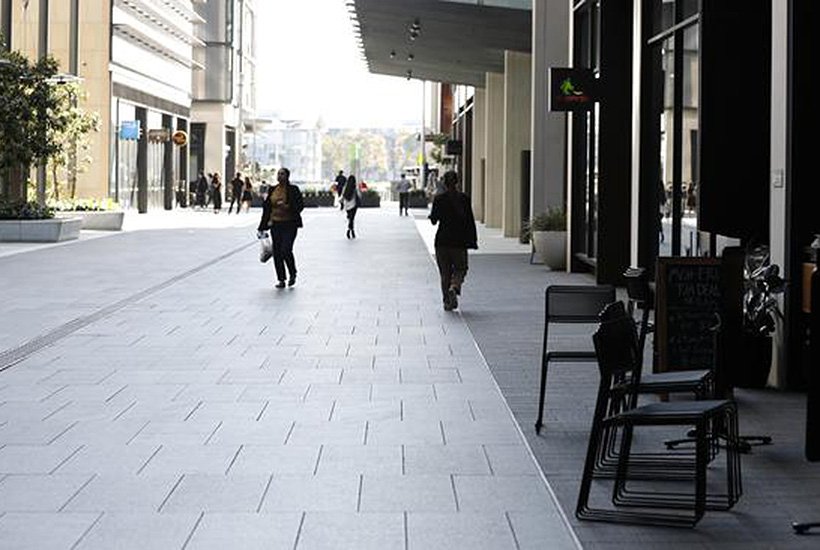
158 392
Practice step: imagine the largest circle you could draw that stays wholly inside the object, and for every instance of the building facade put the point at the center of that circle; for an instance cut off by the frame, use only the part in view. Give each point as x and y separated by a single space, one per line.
696 141
224 105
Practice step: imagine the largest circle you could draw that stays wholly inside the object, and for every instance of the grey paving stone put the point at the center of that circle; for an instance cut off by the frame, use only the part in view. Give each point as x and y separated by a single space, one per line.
191 459
501 493
346 410
124 493
350 531
138 531
39 493
105 458
34 459
405 432
511 460
217 493
463 531
43 531
417 493
217 531
328 433
290 493
271 431
364 459
275 460
535 529
445 459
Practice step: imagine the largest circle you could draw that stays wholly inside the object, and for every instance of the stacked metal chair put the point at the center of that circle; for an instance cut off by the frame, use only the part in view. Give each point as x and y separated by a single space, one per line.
616 417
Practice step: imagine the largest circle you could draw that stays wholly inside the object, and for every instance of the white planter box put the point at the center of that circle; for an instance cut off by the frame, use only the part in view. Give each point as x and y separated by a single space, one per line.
550 248
99 221
40 231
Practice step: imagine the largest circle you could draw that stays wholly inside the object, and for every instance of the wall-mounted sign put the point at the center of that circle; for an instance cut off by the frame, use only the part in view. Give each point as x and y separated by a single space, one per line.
130 129
454 147
572 90
180 138
159 135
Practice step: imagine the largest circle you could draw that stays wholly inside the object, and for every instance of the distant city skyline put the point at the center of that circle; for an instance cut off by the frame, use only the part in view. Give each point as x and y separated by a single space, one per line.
309 66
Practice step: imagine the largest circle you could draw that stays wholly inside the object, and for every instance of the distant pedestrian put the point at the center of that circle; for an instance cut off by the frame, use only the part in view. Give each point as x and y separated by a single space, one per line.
456 233
216 192
351 200
236 192
282 215
404 195
201 190
247 194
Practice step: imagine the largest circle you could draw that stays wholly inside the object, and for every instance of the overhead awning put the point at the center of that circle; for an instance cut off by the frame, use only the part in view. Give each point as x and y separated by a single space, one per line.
442 41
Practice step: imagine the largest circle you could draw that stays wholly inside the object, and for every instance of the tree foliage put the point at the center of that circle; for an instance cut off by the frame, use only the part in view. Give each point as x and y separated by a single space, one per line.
30 118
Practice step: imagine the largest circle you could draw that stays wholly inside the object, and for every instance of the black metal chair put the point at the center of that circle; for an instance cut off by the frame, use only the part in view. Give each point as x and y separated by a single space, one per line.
616 347
578 304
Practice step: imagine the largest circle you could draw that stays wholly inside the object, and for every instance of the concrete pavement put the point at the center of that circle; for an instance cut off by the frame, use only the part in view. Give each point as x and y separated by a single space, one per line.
162 394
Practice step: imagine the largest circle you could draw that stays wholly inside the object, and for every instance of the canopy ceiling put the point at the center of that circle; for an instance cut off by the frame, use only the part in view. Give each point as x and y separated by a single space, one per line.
456 42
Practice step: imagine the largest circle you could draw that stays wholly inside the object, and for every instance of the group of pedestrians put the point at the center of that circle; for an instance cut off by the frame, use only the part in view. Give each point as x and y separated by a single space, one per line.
208 190
452 212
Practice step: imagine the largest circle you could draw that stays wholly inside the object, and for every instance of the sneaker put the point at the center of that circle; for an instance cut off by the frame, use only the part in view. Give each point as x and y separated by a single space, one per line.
452 296
292 281
280 284
448 306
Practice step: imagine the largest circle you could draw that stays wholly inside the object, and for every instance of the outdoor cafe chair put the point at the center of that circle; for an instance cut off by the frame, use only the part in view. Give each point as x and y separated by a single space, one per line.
569 304
616 348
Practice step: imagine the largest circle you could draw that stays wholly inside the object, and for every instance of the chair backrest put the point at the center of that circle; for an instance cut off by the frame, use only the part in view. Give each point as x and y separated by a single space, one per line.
637 286
616 346
577 303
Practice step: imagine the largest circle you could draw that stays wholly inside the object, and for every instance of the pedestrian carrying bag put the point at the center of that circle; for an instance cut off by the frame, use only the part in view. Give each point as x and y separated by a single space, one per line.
265 248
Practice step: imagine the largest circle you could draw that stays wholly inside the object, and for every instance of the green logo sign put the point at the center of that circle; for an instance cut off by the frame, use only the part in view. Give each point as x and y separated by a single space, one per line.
568 88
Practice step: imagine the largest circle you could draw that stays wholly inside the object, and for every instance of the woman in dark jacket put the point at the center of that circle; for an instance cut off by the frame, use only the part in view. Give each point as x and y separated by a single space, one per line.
216 192
282 214
456 233
351 198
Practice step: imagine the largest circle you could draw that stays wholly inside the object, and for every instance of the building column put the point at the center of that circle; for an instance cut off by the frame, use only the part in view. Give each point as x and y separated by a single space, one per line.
479 151
517 128
550 48
494 151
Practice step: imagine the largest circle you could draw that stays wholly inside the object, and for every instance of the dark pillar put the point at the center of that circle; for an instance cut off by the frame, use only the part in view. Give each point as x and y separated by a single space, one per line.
74 38
168 163
183 178
615 151
142 161
42 51
5 29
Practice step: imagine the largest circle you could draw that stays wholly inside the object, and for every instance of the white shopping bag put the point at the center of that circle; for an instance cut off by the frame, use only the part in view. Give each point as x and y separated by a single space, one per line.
265 248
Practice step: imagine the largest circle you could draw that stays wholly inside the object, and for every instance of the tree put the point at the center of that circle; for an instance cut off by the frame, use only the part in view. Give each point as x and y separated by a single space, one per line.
30 118
75 132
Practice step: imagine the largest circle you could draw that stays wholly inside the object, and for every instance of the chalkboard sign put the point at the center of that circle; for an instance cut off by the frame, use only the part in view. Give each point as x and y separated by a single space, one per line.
689 297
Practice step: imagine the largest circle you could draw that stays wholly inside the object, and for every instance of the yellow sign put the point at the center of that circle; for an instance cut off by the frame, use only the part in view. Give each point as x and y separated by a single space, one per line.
180 138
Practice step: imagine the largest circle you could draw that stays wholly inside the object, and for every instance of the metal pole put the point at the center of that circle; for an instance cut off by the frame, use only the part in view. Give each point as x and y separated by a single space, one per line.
42 51
423 168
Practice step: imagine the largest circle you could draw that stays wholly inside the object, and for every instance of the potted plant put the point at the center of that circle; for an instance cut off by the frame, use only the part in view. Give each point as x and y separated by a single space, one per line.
101 215
22 221
548 235
417 198
762 283
370 199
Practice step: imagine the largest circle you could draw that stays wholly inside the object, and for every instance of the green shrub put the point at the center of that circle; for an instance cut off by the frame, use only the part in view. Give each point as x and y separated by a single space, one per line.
84 205
24 211
554 219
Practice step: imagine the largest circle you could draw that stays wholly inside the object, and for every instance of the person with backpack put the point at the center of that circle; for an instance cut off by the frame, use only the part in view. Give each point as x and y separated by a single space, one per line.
351 200
282 215
404 195
456 233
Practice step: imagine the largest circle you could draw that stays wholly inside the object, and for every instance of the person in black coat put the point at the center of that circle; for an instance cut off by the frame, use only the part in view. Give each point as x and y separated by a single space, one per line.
282 215
453 212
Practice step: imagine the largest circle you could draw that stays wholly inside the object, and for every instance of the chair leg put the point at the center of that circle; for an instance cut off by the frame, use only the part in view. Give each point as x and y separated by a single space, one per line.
700 472
539 423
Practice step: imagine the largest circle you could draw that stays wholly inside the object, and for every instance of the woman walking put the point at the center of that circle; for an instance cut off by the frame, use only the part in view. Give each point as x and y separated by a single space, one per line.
456 233
247 194
216 192
351 199
282 215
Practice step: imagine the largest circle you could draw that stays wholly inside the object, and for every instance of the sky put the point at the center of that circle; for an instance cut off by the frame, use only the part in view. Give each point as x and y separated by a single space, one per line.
309 65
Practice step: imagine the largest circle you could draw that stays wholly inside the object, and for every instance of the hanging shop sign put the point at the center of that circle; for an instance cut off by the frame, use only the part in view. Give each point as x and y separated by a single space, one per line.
130 130
159 135
454 147
180 138
572 89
